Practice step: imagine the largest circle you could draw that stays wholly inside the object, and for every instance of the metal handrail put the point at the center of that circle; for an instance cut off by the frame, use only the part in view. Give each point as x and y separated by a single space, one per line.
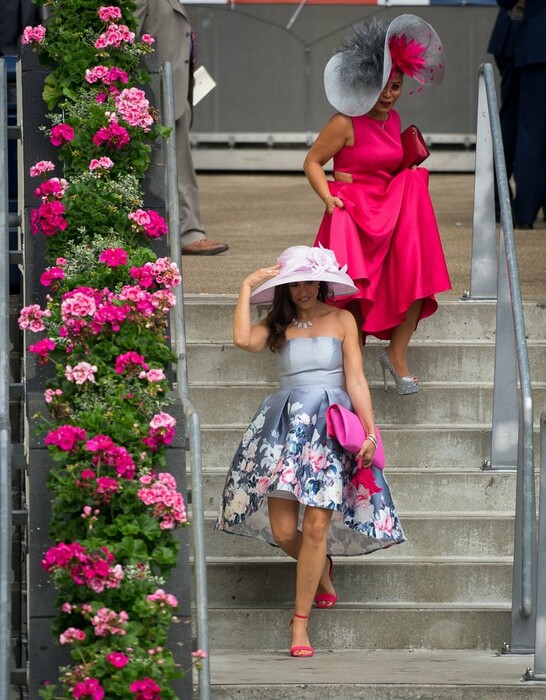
192 423
5 434
512 408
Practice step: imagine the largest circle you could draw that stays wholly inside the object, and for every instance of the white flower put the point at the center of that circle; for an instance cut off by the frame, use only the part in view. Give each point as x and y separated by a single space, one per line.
239 502
304 418
258 422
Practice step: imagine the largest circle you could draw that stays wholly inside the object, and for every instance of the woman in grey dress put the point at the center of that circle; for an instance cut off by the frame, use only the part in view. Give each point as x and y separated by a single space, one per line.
290 483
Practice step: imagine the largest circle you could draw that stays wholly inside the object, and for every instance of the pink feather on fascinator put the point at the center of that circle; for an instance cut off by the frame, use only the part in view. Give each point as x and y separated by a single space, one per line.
407 56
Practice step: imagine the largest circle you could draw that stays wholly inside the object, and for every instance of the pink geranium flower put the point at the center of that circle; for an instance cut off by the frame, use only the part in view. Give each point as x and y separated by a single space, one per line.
145 689
51 394
61 133
133 106
109 12
71 635
159 492
103 163
80 373
89 688
114 257
42 348
33 35
117 659
48 218
66 437
31 318
51 275
113 136
149 222
41 167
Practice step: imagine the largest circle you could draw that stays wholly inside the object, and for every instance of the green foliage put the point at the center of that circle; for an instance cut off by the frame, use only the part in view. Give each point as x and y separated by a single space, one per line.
112 505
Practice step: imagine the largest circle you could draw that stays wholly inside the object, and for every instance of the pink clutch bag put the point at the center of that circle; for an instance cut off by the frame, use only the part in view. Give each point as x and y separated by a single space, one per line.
414 146
346 427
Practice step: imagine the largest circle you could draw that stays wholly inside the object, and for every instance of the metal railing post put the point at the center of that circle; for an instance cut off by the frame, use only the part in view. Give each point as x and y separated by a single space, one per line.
5 434
192 423
483 271
540 629
505 412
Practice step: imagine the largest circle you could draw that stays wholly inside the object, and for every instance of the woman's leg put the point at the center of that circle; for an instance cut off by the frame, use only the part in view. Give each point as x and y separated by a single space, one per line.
283 518
401 336
310 568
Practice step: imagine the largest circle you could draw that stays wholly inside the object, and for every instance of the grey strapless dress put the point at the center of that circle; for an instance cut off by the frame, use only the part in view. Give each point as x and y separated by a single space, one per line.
286 451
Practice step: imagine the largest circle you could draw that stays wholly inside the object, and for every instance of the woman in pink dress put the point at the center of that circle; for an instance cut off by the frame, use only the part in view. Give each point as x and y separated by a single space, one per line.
379 219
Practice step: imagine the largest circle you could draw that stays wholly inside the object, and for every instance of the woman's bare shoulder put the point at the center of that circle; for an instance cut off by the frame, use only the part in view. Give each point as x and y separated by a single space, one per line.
340 319
340 122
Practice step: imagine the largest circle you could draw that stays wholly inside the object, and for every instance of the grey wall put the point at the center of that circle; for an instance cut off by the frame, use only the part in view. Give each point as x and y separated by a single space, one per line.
270 79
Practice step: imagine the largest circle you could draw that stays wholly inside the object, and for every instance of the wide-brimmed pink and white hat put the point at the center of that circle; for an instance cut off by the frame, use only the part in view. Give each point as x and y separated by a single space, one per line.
301 263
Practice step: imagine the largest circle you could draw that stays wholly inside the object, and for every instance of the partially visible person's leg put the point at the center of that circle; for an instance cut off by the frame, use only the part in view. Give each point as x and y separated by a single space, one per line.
283 518
401 336
192 232
529 170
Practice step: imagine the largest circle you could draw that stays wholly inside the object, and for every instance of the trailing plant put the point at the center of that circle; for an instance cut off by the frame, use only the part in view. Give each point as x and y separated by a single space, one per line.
102 330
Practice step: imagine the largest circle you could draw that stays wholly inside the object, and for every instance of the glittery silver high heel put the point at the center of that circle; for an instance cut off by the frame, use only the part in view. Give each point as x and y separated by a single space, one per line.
404 385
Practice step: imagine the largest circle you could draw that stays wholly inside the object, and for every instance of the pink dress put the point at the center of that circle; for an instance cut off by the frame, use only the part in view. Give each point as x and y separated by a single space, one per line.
387 233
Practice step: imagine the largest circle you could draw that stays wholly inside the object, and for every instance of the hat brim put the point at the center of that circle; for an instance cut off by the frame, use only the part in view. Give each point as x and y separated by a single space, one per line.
339 283
356 100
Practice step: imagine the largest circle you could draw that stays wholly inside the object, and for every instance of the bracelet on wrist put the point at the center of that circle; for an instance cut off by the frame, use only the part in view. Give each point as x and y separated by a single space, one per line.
372 438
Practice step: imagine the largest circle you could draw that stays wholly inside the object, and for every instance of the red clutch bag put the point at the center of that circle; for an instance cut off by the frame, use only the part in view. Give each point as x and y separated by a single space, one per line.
346 427
414 146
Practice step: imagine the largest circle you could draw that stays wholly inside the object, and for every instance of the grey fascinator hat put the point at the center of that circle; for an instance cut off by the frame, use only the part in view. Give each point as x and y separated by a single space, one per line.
372 50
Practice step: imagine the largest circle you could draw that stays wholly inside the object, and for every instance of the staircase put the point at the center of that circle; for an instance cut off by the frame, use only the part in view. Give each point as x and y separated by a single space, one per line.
439 605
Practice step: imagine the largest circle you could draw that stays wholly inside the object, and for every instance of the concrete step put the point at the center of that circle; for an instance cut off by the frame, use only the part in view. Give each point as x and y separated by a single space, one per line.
435 447
430 447
436 403
445 362
258 582
415 490
373 675
366 626
446 534
209 318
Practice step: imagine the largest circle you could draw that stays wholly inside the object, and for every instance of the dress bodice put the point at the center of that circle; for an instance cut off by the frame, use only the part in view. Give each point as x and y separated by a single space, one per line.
377 150
311 362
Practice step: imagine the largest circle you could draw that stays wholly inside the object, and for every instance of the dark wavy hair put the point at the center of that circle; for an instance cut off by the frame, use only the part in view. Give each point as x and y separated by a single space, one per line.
283 311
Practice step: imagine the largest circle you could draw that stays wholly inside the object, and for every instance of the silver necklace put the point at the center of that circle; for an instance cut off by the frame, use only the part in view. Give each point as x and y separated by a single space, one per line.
304 325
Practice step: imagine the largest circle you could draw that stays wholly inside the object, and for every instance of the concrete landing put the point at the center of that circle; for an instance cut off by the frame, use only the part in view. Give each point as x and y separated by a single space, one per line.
259 215
375 675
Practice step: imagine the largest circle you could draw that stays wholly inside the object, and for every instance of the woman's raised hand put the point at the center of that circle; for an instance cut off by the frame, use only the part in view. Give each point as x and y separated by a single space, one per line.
261 275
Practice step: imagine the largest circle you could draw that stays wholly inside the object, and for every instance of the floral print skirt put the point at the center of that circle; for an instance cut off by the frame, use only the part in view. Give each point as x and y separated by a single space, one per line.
286 448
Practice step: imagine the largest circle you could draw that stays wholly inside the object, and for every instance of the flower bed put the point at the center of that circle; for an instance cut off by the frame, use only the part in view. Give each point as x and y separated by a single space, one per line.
102 328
